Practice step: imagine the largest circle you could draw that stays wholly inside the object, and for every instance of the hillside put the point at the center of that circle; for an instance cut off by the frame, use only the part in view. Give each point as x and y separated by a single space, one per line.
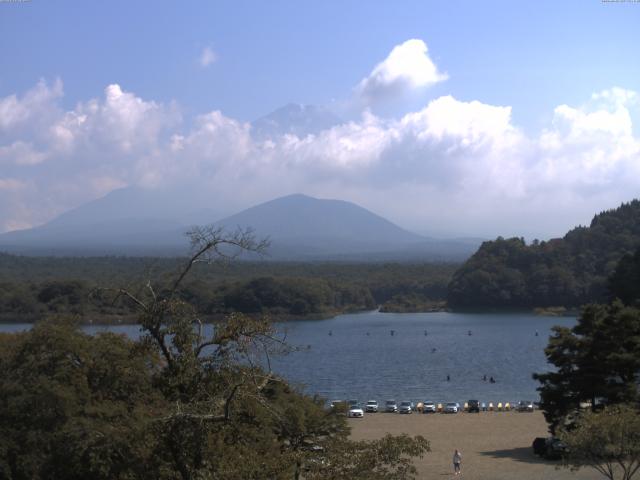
132 221
570 271
319 225
138 222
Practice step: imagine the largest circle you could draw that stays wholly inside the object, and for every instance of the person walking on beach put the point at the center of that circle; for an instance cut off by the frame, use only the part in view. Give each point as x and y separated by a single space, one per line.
457 460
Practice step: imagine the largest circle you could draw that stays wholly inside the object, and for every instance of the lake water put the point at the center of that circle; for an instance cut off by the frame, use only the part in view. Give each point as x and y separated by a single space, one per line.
355 355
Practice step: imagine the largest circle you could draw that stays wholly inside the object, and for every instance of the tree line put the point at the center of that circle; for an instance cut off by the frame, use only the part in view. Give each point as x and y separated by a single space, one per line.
570 271
31 287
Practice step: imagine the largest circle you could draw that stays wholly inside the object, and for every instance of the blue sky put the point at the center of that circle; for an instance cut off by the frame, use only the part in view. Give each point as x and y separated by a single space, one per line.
530 56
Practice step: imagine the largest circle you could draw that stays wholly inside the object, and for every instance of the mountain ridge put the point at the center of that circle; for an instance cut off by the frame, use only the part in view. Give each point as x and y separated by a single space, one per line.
569 271
300 227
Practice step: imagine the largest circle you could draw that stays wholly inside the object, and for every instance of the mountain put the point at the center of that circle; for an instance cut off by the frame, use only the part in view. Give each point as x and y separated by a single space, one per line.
303 227
130 220
174 204
140 222
301 223
294 119
568 271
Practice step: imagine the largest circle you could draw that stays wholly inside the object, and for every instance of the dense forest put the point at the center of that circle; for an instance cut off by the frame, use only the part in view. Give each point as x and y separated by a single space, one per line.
569 271
34 286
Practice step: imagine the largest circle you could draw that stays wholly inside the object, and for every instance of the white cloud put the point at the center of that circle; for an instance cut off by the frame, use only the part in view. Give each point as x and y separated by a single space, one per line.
20 153
592 148
407 67
451 166
37 102
207 57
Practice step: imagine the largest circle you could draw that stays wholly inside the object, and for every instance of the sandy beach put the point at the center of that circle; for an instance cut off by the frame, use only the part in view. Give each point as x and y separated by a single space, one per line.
494 446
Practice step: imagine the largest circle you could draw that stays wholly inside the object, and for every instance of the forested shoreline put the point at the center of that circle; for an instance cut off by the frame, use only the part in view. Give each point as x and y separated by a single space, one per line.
563 272
33 287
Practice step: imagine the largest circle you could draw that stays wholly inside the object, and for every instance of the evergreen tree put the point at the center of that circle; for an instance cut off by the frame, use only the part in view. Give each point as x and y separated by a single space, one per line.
597 361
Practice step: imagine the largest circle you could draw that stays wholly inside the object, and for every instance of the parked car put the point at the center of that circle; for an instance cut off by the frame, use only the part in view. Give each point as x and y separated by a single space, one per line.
539 446
452 407
355 411
406 407
339 406
551 448
474 406
391 406
556 449
524 406
371 406
428 407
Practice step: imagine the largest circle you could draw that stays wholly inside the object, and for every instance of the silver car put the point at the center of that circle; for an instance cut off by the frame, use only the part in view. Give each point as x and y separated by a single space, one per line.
406 407
452 407
391 406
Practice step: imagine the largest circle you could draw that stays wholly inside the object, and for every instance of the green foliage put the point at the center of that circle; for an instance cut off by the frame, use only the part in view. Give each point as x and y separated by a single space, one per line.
181 402
608 441
625 281
72 405
34 286
388 458
597 361
566 272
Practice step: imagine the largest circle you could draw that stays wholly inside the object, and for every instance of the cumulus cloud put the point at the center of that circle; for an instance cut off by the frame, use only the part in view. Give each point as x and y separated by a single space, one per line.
453 166
207 57
38 102
407 67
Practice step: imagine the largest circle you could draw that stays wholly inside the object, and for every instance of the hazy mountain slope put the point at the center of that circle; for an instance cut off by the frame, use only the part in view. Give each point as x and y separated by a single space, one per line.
294 119
299 217
177 205
136 222
302 227
129 220
569 271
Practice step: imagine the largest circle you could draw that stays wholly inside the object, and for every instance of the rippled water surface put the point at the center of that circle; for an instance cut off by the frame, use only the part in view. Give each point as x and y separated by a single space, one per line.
355 355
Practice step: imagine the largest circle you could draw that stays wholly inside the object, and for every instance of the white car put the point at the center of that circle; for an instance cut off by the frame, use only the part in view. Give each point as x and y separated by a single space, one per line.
406 407
355 411
428 407
452 407
391 406
371 406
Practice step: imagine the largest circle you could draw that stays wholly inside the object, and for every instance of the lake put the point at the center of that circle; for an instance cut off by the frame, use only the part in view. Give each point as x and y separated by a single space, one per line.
355 355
